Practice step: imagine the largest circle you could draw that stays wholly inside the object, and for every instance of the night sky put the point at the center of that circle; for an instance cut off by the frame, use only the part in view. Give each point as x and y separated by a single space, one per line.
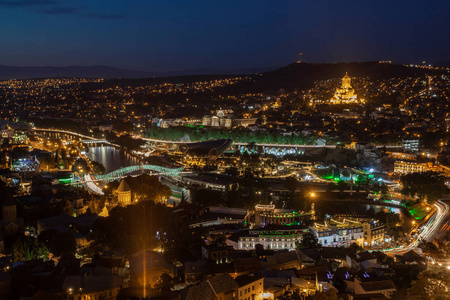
171 35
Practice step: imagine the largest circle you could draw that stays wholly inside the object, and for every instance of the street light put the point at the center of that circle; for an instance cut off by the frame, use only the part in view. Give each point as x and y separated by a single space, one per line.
313 211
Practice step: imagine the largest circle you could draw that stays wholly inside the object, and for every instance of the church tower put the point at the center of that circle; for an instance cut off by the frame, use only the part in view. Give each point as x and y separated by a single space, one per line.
124 193
346 81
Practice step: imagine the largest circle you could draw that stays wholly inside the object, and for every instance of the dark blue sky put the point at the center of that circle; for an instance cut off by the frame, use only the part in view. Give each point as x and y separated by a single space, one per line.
169 35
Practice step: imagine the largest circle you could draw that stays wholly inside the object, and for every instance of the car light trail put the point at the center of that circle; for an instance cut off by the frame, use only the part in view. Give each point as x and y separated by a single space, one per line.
442 209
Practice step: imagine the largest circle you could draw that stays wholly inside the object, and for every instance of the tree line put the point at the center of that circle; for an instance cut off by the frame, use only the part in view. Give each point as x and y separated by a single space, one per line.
238 135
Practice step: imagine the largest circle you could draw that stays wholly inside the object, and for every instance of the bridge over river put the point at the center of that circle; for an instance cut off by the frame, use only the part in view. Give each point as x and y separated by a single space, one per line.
111 176
91 180
274 149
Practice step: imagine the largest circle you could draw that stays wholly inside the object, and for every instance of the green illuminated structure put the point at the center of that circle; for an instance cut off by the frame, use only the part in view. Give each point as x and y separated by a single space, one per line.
121 172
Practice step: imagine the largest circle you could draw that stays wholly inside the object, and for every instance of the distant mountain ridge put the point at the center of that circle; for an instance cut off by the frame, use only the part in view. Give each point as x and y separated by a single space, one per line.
290 77
12 72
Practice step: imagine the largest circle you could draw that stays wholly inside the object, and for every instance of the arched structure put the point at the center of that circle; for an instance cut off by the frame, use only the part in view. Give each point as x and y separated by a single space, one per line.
121 172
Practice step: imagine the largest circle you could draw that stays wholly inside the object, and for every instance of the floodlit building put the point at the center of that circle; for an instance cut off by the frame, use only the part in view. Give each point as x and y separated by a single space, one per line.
410 145
374 233
339 233
345 94
407 167
250 287
271 239
222 120
124 193
268 214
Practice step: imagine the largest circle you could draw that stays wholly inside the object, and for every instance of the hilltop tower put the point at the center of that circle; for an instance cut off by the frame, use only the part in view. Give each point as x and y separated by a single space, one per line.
300 57
346 82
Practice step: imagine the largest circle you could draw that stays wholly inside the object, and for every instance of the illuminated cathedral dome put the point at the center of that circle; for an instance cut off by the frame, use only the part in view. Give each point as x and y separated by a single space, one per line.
124 193
345 94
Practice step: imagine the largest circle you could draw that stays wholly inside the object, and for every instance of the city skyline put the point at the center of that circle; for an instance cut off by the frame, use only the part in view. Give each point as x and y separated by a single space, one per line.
224 150
163 37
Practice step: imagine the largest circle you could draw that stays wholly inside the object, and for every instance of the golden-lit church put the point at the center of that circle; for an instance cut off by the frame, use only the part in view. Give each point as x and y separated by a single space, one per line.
345 94
124 193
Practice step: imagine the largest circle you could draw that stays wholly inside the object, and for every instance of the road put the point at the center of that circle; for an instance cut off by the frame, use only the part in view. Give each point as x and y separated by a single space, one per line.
444 229
430 230
91 185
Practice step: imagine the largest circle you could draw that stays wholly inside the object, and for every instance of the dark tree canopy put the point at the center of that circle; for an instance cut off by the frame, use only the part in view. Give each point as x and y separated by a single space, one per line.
144 188
133 228
427 185
309 240
431 284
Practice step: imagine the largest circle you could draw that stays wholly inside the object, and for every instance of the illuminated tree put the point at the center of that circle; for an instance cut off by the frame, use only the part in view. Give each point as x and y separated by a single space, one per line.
431 284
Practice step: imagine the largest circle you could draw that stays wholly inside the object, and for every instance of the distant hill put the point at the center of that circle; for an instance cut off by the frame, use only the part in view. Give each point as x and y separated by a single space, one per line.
293 76
9 72
241 71
303 75
444 63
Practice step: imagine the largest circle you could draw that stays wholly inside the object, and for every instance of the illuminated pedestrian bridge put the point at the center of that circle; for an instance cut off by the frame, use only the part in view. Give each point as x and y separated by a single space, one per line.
123 171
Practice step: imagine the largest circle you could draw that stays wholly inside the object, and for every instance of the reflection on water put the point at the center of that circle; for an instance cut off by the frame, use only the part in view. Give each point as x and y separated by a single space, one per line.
111 158
378 208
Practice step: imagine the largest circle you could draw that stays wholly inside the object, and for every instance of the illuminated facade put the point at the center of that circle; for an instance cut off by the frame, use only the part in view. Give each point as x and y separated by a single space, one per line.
339 234
124 193
407 167
271 239
345 94
374 233
268 214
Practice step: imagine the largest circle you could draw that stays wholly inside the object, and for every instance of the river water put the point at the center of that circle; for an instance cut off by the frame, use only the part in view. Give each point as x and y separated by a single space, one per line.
111 158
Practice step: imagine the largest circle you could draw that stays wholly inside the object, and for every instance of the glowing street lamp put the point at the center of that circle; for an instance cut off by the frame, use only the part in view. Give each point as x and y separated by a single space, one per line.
313 211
